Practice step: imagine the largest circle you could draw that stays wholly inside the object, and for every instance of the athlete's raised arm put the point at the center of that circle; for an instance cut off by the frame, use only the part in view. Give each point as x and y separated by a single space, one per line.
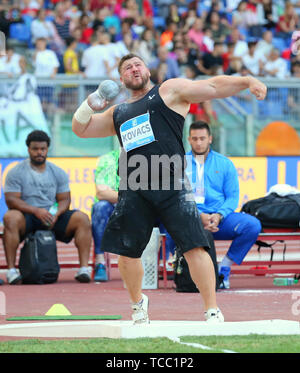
87 124
179 93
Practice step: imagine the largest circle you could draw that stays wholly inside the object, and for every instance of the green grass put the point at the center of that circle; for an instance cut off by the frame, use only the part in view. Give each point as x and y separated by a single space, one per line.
244 344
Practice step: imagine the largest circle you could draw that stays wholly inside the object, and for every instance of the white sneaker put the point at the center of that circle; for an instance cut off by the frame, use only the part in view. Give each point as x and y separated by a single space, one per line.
214 315
13 276
140 312
83 274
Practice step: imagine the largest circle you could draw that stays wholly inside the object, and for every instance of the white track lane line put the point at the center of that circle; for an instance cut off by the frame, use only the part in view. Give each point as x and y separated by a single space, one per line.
198 345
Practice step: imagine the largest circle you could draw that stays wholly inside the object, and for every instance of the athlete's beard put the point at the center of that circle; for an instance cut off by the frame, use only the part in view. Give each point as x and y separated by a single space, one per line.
34 162
137 87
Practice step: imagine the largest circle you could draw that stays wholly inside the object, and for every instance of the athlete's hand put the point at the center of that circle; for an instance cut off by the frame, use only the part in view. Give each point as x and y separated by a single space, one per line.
96 101
208 223
44 216
257 88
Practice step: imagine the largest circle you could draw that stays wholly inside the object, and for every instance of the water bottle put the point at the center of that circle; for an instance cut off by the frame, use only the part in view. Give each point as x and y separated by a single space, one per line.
284 281
53 209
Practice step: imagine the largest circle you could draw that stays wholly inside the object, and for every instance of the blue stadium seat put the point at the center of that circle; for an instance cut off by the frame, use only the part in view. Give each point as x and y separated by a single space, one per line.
159 22
27 19
279 43
20 31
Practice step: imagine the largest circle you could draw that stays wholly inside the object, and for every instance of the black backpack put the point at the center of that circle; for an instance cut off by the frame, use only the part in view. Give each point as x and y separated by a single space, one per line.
38 262
182 277
275 211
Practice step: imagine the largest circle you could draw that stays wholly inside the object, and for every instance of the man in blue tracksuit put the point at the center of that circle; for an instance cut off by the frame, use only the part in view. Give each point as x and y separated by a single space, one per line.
214 181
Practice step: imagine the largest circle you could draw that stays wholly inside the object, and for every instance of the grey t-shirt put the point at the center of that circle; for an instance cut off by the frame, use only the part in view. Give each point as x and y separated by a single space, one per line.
38 189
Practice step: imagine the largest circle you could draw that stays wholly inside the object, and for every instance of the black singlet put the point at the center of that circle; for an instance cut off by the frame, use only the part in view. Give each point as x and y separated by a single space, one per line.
149 128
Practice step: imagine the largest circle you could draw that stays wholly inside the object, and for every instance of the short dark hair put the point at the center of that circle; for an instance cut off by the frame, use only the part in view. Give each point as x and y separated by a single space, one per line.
200 125
128 57
39 136
69 40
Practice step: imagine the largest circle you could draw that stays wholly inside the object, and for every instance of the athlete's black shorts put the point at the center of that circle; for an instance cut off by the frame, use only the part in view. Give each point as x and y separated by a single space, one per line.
130 226
34 224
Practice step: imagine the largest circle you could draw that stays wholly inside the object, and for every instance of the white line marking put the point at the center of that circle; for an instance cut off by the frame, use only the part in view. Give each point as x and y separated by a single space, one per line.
198 345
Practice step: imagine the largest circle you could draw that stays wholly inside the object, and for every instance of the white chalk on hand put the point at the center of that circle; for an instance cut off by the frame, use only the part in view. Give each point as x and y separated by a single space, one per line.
108 89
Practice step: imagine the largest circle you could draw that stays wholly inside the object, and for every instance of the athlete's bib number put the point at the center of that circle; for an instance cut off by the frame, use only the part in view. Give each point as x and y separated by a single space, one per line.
136 132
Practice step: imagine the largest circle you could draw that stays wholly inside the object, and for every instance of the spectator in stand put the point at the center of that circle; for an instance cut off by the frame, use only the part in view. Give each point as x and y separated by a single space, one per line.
94 58
196 33
147 46
240 46
189 19
212 63
80 47
69 94
113 56
208 41
87 29
46 64
173 14
71 63
166 37
42 28
220 31
159 75
163 57
243 18
45 61
267 12
4 22
128 44
181 56
129 9
252 61
126 26
265 45
229 59
287 23
61 22
275 66
9 64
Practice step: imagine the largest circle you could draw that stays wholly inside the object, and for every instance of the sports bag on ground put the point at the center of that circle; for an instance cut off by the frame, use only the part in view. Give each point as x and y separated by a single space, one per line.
38 262
275 211
182 277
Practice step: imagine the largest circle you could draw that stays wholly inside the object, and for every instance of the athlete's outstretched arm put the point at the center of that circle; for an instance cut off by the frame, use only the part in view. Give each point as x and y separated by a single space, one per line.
177 92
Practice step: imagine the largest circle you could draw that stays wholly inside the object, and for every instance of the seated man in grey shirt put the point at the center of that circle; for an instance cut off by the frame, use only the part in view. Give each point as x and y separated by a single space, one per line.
31 188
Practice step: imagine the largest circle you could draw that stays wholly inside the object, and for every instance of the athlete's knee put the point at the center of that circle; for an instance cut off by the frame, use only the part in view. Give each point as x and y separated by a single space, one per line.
13 219
80 220
253 226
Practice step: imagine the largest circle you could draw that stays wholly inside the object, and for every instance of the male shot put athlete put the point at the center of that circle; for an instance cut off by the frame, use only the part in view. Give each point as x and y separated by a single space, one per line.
148 125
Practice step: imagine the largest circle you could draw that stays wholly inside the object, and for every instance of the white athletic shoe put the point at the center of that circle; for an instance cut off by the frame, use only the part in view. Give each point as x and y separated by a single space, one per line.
140 312
83 274
214 315
13 276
